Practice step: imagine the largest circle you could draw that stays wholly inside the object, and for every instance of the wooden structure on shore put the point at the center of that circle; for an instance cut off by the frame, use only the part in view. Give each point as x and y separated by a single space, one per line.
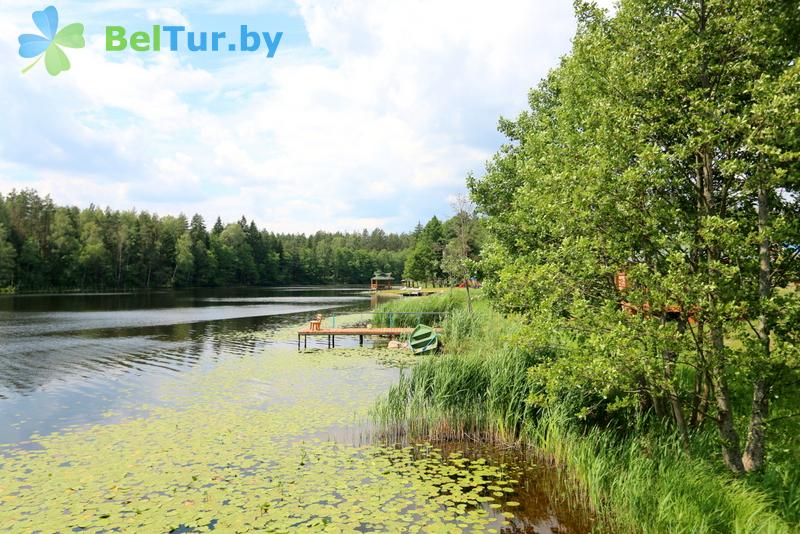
381 281
671 312
415 292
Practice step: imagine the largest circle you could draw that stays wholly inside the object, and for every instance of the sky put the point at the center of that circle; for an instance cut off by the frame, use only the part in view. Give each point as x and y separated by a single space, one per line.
370 113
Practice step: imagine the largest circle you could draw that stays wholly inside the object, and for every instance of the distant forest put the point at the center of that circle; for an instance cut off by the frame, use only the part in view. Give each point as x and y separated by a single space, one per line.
49 247
44 247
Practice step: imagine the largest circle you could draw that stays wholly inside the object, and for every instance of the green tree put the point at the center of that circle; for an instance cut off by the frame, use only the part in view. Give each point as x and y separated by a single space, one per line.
149 232
65 240
459 254
425 259
184 261
171 230
218 227
203 267
239 254
664 147
121 231
8 256
64 247
93 259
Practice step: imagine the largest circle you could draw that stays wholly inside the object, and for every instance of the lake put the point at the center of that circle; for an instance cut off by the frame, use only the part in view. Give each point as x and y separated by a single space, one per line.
190 411
65 359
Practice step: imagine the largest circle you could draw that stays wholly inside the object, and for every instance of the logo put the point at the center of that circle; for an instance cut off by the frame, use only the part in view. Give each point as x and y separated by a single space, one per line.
117 40
50 42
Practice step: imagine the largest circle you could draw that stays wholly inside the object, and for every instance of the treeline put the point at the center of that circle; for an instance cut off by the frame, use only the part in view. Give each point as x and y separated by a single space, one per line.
44 246
446 252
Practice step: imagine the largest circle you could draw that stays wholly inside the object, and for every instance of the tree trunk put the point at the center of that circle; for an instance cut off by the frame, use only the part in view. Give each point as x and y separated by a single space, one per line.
702 382
753 459
697 394
675 401
670 357
729 438
645 399
703 393
469 299
658 407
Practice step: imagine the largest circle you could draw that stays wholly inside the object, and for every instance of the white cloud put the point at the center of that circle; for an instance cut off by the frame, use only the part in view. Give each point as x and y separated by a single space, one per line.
375 123
167 15
610 5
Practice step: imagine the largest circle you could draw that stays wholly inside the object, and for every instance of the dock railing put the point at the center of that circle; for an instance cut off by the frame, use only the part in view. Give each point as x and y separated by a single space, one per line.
390 328
394 319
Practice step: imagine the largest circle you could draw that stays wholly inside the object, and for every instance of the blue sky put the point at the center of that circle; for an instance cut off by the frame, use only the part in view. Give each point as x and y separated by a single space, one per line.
370 114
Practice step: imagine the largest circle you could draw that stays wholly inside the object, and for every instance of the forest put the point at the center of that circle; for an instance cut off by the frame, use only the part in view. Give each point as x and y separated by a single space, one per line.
47 247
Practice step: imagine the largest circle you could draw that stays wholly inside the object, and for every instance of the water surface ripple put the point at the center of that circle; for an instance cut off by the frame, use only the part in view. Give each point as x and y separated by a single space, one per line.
59 351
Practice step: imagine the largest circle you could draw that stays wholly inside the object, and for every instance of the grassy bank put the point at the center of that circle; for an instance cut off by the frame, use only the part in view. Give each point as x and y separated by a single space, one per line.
635 480
412 311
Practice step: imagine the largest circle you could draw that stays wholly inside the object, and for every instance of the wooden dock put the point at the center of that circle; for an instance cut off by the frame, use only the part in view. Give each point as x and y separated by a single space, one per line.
360 332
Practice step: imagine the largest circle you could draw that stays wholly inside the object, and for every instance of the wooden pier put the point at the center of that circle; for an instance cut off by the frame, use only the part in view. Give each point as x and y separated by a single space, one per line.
331 333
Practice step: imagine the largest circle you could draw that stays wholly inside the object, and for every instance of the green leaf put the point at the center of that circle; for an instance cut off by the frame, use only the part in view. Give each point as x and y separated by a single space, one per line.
55 60
71 36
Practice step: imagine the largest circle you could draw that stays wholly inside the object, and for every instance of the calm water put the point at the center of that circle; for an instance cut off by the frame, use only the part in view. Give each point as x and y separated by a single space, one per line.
67 359
71 360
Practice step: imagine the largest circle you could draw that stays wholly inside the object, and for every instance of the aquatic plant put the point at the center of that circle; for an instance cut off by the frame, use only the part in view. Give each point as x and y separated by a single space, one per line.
648 484
248 447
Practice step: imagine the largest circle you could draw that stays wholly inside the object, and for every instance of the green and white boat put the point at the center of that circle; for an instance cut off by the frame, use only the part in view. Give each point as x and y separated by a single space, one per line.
423 339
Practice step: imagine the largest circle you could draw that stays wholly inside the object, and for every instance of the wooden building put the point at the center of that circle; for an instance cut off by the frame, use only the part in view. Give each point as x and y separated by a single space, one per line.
381 281
671 312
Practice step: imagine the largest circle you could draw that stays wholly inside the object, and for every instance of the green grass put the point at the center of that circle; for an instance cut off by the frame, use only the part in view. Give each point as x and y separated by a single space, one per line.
411 311
482 391
639 481
647 483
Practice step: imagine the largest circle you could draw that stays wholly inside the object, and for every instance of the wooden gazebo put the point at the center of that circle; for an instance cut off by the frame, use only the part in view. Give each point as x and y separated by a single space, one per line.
381 281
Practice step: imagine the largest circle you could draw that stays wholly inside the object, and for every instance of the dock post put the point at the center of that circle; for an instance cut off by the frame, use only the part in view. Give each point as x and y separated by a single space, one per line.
298 342
305 342
333 341
360 340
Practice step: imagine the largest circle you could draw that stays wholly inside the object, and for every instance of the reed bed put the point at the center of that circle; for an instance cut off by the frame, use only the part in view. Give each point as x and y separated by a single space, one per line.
411 311
634 482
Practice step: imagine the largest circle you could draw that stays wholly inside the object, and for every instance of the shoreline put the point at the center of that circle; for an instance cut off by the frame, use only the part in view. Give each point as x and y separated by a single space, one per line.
479 390
252 433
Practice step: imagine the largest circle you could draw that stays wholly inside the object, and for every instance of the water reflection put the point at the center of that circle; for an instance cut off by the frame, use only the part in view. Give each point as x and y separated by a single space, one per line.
67 358
71 360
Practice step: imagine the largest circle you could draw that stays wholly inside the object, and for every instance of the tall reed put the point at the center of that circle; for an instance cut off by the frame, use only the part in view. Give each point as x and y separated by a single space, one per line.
411 311
637 482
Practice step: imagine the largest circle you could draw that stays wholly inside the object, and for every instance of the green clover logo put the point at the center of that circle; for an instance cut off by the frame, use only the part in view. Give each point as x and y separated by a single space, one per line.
48 43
